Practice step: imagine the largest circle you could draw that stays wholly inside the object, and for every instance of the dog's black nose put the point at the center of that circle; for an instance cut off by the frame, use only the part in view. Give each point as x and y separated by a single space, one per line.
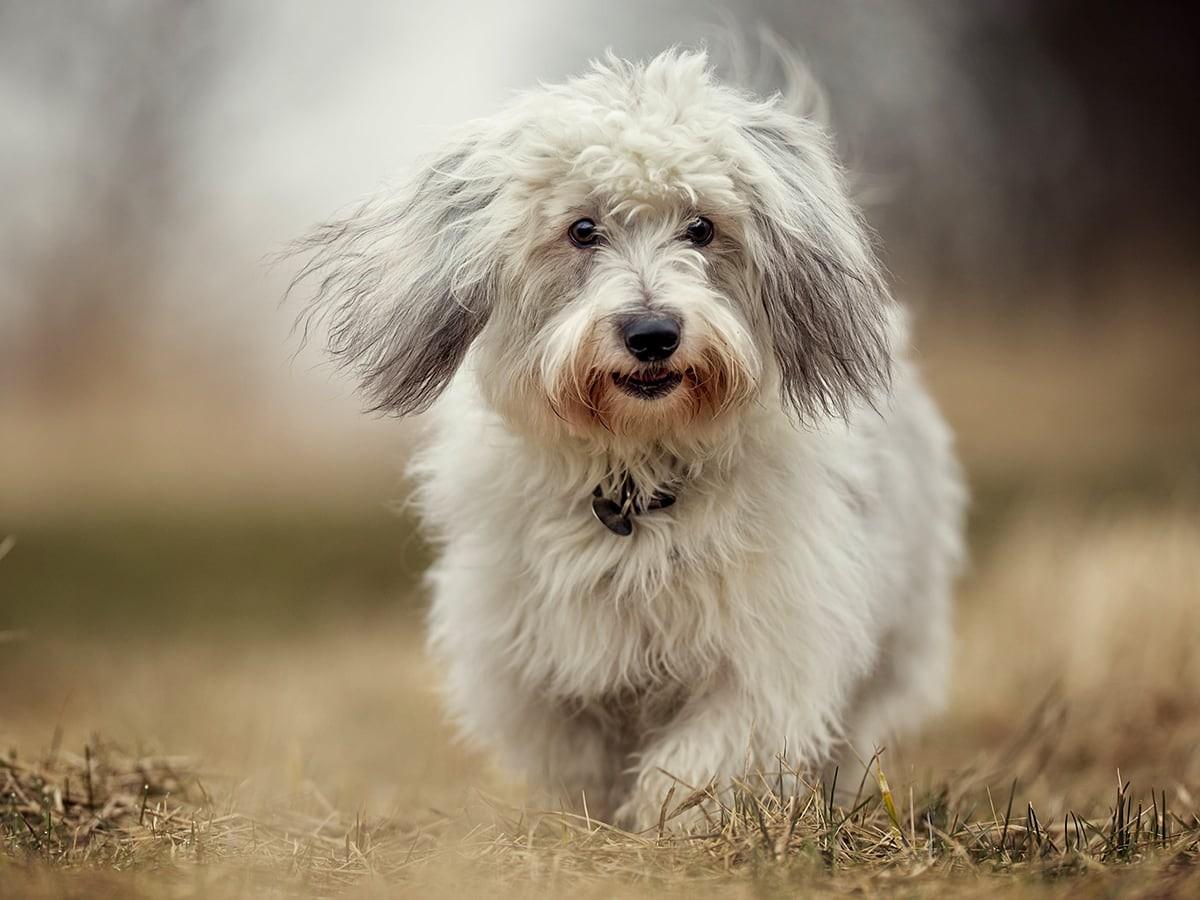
651 338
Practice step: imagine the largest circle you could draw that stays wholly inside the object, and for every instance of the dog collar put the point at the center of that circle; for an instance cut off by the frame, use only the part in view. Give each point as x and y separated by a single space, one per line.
617 514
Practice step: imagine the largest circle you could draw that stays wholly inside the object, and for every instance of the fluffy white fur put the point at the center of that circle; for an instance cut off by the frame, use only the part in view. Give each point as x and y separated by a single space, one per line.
796 598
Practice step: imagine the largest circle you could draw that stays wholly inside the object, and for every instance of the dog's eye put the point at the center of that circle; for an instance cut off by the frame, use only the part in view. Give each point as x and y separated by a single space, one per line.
700 231
583 233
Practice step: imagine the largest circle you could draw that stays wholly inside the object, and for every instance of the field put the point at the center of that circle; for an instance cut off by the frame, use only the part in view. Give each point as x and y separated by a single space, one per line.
212 680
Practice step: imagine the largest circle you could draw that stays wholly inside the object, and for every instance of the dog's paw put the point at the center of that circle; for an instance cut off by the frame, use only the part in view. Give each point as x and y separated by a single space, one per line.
668 806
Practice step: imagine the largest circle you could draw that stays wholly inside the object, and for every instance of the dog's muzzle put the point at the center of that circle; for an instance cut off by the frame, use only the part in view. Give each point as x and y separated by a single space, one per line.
647 385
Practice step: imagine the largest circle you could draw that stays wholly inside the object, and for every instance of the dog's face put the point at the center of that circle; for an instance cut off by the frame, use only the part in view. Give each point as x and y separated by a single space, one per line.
632 256
626 312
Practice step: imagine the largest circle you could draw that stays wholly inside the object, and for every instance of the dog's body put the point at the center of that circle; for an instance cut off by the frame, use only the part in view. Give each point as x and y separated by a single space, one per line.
796 593
712 363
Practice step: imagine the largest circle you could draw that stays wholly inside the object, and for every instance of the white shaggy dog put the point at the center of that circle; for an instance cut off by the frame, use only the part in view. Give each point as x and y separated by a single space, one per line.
695 508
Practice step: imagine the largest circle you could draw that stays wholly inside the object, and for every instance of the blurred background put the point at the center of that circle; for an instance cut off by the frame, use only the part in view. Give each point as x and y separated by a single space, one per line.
206 555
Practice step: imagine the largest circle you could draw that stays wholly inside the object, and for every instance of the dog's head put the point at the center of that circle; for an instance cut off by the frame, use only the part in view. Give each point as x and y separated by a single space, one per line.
634 255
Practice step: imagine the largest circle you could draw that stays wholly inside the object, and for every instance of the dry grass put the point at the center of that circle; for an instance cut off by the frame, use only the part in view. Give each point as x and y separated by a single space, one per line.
103 811
1077 676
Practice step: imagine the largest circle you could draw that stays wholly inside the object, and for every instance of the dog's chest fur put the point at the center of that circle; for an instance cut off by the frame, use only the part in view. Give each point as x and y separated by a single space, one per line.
602 617
584 615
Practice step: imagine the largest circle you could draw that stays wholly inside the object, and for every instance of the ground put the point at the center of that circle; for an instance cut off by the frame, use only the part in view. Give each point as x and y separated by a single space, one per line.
232 699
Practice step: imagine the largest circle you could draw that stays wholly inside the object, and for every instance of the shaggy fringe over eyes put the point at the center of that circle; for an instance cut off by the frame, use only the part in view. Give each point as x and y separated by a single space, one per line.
405 283
821 287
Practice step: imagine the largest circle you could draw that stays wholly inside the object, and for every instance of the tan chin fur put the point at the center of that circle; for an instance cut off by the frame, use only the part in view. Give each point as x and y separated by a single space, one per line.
713 384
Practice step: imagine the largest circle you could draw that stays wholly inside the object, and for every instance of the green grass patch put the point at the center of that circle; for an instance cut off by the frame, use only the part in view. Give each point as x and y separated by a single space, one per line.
164 571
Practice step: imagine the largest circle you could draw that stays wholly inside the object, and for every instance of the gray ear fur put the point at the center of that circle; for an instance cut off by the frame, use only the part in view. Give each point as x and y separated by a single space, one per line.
405 283
821 286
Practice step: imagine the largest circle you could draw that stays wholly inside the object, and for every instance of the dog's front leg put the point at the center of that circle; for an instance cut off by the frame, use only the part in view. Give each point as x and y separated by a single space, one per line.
709 740
722 735
531 733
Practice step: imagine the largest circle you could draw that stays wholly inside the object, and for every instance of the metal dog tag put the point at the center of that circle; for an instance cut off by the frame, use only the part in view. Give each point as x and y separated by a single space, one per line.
608 513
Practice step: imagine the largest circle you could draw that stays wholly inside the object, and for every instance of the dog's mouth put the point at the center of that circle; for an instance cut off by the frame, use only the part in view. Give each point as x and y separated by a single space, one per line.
647 385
